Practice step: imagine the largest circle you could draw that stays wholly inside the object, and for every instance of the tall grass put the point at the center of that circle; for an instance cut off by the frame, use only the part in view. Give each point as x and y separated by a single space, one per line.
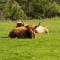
43 47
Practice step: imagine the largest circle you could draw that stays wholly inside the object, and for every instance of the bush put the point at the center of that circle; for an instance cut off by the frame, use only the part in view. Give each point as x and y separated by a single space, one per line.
24 9
53 11
13 11
17 12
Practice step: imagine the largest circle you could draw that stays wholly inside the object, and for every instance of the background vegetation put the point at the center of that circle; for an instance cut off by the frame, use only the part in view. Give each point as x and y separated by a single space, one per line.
29 9
44 46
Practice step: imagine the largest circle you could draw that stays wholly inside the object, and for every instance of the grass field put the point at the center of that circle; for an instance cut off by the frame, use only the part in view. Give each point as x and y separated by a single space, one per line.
43 47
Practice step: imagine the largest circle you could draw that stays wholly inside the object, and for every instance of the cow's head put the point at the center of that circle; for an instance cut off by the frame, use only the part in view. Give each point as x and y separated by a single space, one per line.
20 23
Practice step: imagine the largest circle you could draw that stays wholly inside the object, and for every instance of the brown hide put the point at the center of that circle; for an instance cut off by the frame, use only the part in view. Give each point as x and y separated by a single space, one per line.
22 32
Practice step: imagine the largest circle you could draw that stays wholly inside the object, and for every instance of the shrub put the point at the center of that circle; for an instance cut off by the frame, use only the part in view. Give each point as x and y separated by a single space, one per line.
53 11
17 12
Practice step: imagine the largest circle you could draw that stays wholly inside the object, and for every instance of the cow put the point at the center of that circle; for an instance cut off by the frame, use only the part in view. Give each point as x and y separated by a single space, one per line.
22 32
40 29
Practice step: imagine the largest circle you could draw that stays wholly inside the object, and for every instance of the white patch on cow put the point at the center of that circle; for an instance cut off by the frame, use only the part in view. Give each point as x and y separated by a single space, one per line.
41 29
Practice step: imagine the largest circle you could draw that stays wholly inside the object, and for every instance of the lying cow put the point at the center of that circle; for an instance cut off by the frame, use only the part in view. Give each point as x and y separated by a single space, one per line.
22 32
40 29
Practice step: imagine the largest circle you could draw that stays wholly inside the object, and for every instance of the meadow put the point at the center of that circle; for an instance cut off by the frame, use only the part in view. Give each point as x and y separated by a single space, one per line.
43 47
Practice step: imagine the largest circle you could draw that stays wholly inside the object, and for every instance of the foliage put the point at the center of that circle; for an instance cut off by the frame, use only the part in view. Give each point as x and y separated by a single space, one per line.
12 10
28 9
54 10
17 12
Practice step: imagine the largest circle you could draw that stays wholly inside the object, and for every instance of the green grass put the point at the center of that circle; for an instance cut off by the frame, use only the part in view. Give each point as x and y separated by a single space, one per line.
43 47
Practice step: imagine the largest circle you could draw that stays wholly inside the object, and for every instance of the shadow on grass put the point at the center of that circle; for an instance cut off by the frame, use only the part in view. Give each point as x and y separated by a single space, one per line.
4 37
